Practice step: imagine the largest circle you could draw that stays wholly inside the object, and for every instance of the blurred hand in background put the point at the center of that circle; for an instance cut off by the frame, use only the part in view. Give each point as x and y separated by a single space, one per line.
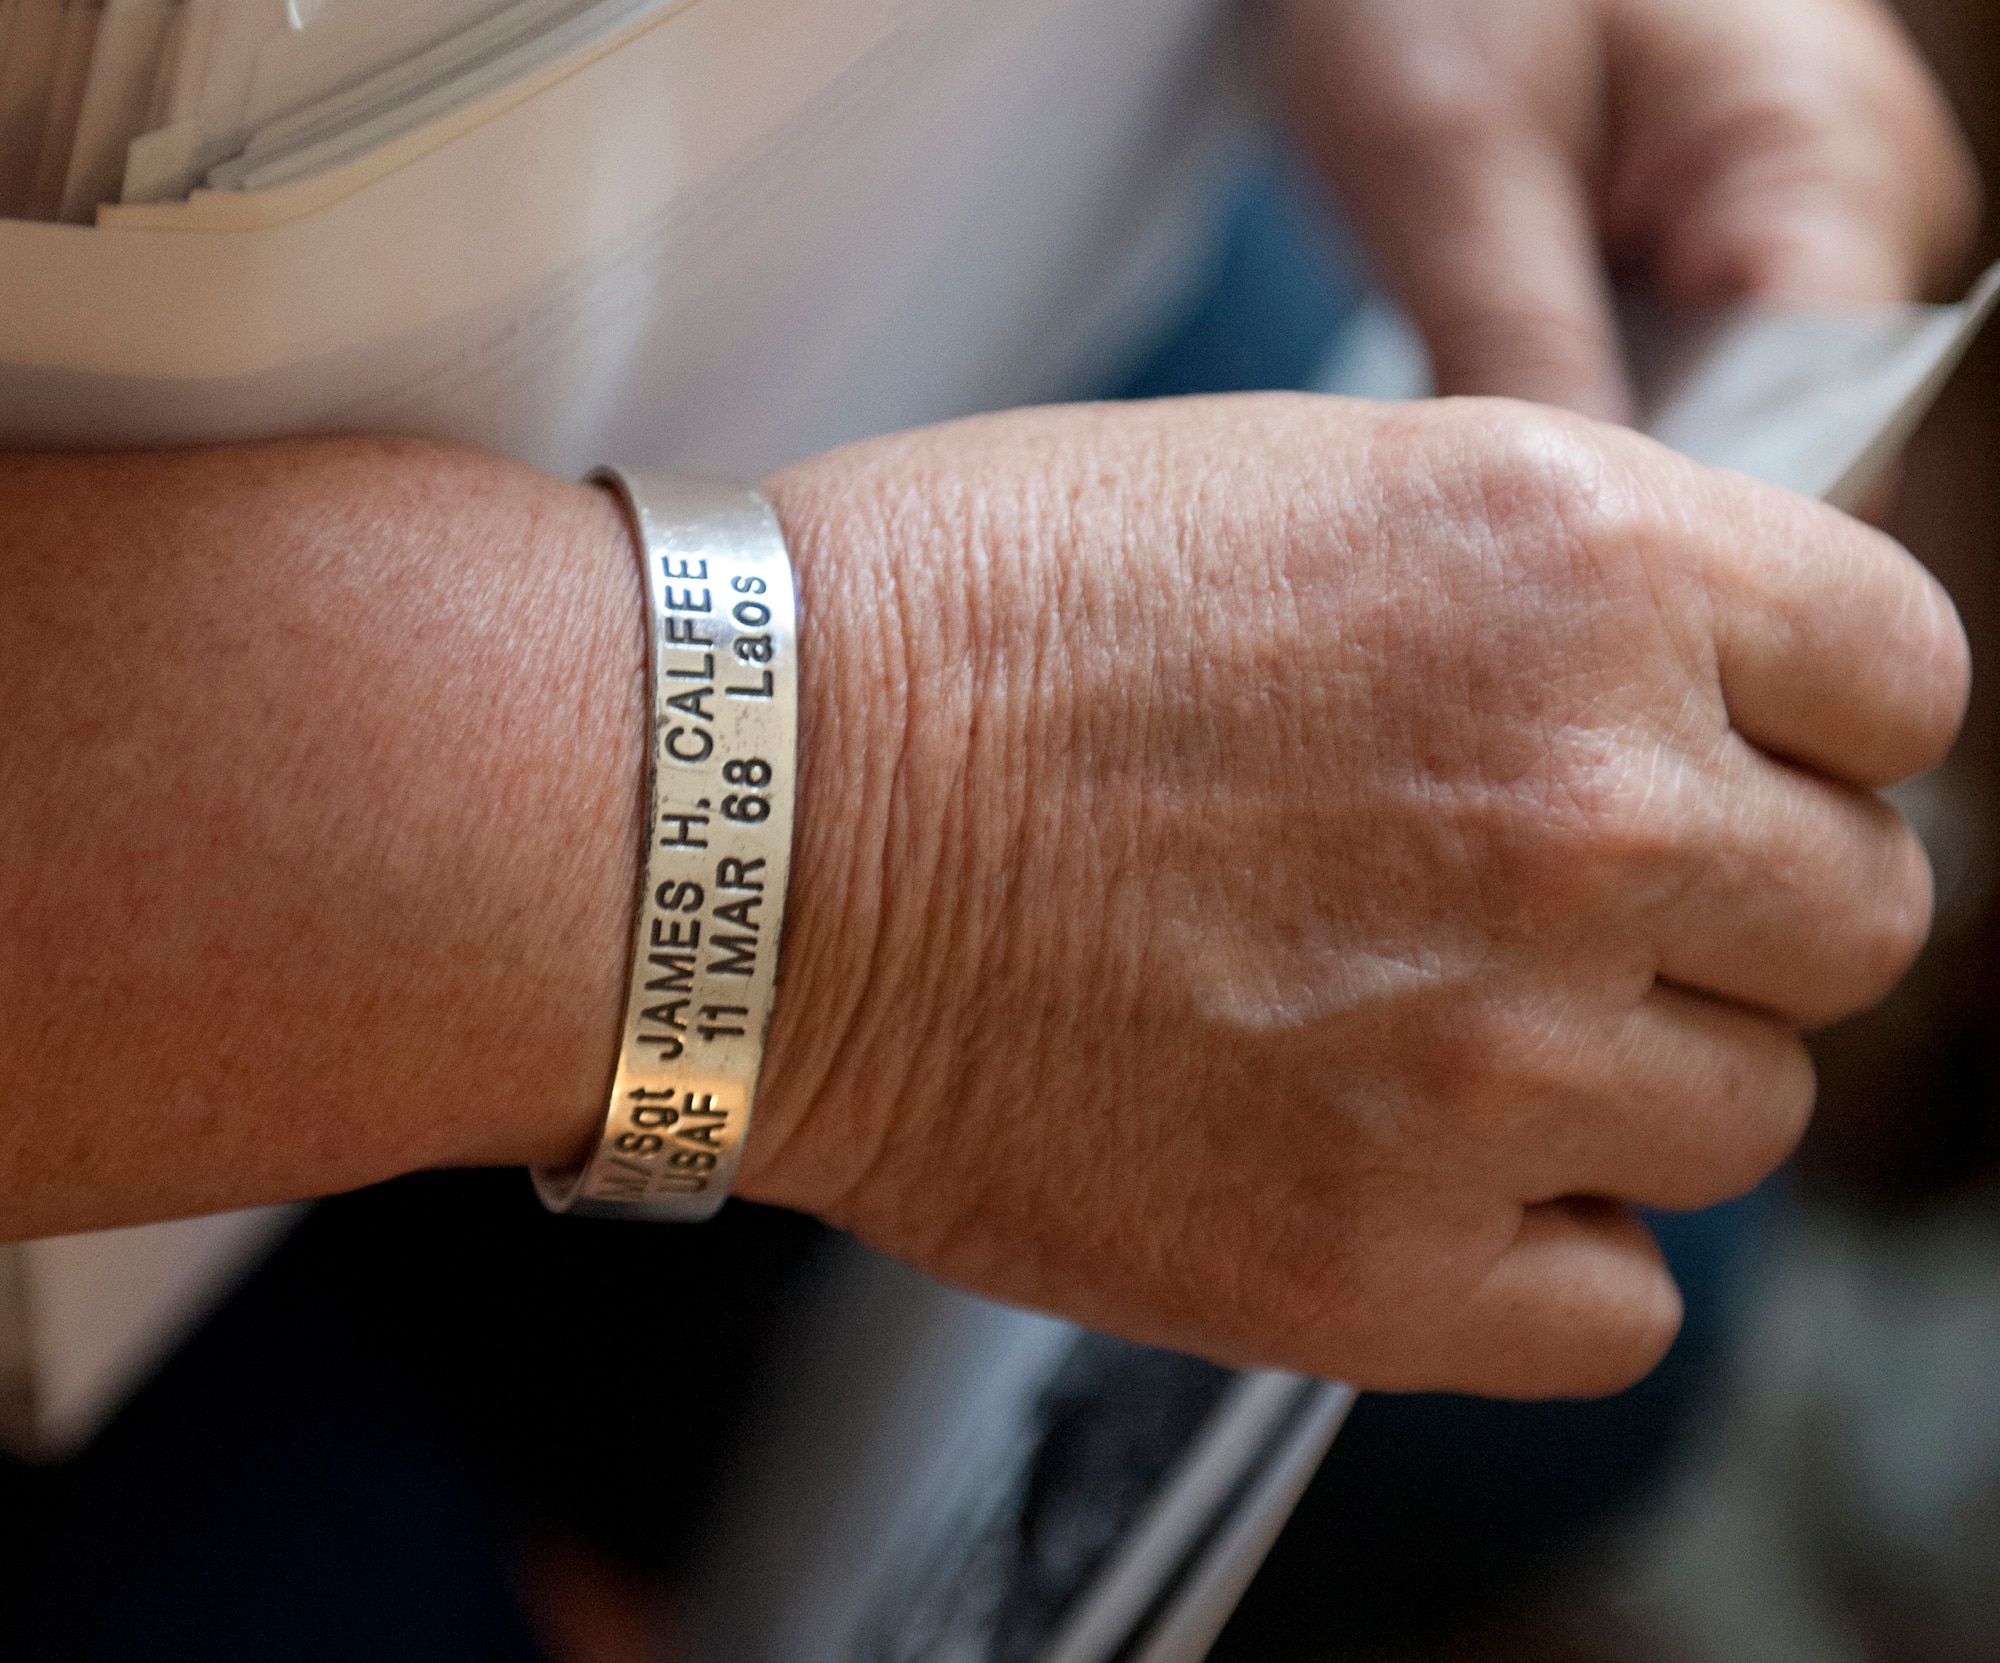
1503 162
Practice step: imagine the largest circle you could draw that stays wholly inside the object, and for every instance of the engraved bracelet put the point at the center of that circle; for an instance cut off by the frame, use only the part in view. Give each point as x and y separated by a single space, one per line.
722 667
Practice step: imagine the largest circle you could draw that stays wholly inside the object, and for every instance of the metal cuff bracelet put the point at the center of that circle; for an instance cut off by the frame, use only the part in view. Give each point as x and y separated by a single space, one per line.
722 666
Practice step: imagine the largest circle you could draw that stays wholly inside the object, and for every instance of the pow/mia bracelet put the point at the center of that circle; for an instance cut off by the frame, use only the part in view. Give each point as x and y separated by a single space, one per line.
722 665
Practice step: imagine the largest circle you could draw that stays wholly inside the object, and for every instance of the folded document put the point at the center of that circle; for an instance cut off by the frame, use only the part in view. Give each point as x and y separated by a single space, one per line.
142 100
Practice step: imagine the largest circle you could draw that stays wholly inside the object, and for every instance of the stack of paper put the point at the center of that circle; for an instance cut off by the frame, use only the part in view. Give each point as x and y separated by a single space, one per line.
143 100
937 1479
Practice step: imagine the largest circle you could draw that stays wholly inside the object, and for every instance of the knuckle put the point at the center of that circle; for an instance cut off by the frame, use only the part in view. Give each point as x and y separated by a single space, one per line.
1942 662
1875 939
1763 1101
1541 468
1493 1070
1576 510
1640 810
1901 919
1475 1057
1615 830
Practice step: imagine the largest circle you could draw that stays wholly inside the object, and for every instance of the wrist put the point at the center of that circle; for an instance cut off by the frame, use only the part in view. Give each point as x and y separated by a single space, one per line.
854 672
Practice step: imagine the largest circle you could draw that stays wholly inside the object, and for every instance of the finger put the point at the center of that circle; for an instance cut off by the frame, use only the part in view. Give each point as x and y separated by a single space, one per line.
1480 220
1811 900
1816 164
1835 649
1502 275
1671 1100
1579 1305
1820 228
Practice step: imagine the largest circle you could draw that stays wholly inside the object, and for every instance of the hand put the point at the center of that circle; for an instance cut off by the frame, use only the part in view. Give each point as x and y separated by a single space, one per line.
1279 875
1496 157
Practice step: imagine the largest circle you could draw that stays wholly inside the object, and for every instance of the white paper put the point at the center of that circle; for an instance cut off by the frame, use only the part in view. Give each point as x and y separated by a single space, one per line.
116 101
81 30
261 61
105 1305
884 1509
350 43
190 46
502 53
1199 1609
1212 1528
1819 401
213 92
768 262
158 104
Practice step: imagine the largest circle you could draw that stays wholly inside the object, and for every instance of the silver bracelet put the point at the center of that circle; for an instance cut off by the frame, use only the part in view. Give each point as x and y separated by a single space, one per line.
722 666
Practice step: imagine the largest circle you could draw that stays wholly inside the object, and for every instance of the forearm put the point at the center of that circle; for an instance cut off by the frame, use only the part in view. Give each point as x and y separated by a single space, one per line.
319 821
